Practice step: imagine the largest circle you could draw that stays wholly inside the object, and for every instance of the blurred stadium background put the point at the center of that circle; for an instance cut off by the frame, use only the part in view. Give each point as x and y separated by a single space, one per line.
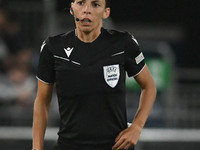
168 33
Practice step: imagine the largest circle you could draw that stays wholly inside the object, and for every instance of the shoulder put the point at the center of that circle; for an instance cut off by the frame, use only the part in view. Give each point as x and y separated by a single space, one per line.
61 37
121 35
55 41
58 41
114 32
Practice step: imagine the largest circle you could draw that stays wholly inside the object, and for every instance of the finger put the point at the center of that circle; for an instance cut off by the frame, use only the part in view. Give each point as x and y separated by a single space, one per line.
118 137
119 142
129 146
122 146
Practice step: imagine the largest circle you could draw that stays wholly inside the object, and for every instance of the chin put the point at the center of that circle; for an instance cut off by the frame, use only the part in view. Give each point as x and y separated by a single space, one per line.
86 29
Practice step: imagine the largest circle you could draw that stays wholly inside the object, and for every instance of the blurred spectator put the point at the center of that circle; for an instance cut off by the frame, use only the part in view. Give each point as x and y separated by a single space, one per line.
17 92
10 43
17 83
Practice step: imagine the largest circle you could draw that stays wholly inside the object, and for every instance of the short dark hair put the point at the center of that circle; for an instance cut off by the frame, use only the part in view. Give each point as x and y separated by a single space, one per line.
107 3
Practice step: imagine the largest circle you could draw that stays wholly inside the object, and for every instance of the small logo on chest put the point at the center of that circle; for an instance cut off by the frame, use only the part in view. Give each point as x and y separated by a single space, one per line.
111 75
68 51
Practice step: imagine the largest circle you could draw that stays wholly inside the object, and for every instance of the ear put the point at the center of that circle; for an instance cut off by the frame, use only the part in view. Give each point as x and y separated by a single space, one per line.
106 13
71 9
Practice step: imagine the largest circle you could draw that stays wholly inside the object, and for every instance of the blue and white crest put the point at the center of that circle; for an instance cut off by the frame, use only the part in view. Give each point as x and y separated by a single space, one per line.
111 75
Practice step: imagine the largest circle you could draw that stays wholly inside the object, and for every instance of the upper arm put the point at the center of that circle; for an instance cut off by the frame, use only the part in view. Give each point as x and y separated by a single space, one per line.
144 79
134 59
46 71
44 92
45 74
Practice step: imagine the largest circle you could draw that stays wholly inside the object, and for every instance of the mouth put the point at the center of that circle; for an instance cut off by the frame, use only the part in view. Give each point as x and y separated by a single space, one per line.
86 20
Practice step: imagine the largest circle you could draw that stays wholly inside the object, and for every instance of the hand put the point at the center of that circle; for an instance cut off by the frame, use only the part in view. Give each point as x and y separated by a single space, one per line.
128 138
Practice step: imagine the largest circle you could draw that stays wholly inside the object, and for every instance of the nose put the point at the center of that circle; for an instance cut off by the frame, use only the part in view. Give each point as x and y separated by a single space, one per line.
87 9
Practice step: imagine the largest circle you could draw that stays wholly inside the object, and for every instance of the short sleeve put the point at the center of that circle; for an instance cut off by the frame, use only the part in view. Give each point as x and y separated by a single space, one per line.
45 72
134 59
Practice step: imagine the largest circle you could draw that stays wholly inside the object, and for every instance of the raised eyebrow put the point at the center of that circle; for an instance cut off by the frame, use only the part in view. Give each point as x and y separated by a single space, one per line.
97 1
94 1
83 0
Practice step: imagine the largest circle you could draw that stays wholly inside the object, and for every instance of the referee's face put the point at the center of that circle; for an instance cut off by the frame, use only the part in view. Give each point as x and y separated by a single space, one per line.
90 14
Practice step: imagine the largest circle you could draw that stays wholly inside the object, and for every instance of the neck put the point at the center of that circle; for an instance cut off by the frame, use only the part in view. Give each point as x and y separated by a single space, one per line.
88 37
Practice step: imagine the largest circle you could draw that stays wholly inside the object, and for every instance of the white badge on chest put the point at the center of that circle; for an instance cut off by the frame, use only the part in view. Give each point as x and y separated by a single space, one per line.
111 75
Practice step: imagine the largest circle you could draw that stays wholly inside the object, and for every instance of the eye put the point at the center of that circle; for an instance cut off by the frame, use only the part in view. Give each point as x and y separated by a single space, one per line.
80 3
96 5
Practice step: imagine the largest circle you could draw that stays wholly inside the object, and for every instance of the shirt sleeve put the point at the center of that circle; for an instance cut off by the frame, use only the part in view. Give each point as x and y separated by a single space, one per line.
46 72
134 59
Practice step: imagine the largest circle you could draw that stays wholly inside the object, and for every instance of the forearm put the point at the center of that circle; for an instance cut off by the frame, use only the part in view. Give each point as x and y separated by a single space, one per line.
147 99
40 119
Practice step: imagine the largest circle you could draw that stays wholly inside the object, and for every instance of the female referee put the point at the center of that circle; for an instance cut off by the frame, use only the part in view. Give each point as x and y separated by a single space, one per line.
88 66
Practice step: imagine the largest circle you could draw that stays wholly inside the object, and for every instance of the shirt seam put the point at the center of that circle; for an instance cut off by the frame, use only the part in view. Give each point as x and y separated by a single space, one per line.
43 80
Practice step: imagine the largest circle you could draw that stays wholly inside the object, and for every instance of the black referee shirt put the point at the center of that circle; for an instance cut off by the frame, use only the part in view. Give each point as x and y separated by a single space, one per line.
90 84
